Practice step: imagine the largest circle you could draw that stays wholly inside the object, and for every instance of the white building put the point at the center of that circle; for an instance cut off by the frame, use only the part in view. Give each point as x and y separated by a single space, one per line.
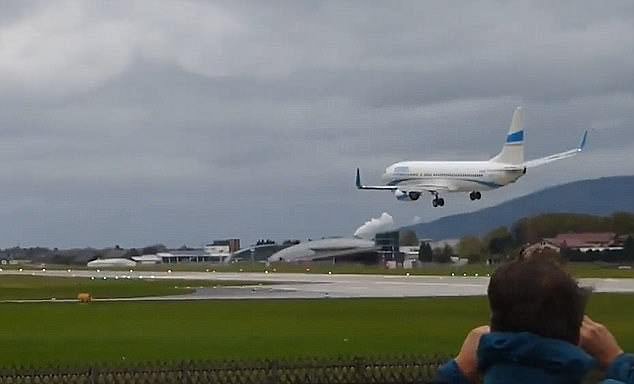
148 259
222 250
410 251
195 256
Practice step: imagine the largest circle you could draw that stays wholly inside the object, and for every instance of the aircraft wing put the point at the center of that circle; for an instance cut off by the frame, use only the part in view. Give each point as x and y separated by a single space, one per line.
418 186
408 186
373 187
558 156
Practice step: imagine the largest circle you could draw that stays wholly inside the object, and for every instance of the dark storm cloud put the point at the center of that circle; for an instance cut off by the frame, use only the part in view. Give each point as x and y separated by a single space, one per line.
135 122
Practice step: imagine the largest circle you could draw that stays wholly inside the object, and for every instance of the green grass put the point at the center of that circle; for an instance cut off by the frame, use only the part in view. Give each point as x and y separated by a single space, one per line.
583 270
42 334
579 270
34 287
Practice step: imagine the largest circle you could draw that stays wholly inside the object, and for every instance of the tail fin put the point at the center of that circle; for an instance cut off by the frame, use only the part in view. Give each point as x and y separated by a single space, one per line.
513 150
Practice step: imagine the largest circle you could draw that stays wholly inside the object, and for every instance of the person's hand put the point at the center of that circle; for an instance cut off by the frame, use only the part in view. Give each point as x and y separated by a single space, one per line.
597 340
467 359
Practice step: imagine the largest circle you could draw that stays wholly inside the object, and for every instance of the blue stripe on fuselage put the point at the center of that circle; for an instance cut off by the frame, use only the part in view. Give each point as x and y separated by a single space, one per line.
515 137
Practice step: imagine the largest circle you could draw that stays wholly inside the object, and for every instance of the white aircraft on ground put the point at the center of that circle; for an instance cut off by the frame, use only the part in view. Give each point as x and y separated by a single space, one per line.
409 179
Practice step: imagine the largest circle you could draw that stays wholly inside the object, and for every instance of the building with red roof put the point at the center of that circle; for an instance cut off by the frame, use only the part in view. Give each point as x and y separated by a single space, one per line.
582 242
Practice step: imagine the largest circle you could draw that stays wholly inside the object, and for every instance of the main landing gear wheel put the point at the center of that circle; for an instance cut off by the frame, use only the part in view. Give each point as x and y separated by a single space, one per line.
438 202
475 195
414 195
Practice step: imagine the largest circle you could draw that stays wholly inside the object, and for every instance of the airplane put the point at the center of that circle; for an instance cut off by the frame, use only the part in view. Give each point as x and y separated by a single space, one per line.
408 180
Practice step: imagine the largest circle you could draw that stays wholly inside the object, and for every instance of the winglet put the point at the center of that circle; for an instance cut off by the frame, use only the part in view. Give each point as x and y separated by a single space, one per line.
358 182
583 141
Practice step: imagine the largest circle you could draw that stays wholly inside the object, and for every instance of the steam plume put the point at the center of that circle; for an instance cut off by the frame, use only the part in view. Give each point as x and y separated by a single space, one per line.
368 230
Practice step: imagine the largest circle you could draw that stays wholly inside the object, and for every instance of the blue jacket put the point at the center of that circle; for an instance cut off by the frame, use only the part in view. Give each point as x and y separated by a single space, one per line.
527 358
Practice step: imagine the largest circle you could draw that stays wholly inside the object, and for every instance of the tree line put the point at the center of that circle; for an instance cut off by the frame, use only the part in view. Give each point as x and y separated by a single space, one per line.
507 242
504 243
77 255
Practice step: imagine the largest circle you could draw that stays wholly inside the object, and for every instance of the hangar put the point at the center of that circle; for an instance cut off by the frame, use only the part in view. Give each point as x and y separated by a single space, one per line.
331 250
111 263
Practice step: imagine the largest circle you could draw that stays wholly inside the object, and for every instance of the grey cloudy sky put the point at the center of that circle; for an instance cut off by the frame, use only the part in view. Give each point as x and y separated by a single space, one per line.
134 122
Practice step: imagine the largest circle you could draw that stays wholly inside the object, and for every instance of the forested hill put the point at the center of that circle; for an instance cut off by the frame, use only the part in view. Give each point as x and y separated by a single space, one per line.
602 196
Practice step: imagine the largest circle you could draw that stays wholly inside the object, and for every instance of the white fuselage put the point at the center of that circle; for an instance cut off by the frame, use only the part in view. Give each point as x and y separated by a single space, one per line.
455 176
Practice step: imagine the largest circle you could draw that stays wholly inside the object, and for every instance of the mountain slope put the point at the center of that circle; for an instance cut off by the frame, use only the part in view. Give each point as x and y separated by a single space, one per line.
598 196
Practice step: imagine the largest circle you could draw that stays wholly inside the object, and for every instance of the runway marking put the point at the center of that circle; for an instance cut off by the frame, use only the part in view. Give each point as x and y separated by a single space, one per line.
430 284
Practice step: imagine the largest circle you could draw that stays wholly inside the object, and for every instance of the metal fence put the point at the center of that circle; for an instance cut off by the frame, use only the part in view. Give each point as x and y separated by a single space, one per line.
406 370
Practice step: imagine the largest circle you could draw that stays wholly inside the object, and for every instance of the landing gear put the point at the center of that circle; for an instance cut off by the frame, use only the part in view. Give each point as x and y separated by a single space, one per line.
414 195
475 195
437 201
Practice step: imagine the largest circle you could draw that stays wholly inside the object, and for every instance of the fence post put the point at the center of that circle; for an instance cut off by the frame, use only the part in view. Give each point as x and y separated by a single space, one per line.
359 370
273 372
91 375
187 379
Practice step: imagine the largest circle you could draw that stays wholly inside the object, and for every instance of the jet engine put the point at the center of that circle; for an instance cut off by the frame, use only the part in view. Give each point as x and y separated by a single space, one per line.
401 196
406 196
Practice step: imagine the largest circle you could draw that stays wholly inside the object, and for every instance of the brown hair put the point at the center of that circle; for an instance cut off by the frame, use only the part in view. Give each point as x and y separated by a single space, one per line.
536 296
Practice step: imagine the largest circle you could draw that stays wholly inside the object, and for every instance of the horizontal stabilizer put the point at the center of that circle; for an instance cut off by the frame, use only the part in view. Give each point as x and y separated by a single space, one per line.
558 156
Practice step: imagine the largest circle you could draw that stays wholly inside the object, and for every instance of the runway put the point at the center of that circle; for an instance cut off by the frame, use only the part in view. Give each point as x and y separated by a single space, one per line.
312 286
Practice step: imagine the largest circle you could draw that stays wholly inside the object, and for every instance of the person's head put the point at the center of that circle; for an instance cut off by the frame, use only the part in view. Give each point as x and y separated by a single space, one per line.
536 296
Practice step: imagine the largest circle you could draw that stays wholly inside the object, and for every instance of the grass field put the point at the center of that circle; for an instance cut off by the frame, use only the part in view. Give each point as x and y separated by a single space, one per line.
43 333
579 270
31 287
